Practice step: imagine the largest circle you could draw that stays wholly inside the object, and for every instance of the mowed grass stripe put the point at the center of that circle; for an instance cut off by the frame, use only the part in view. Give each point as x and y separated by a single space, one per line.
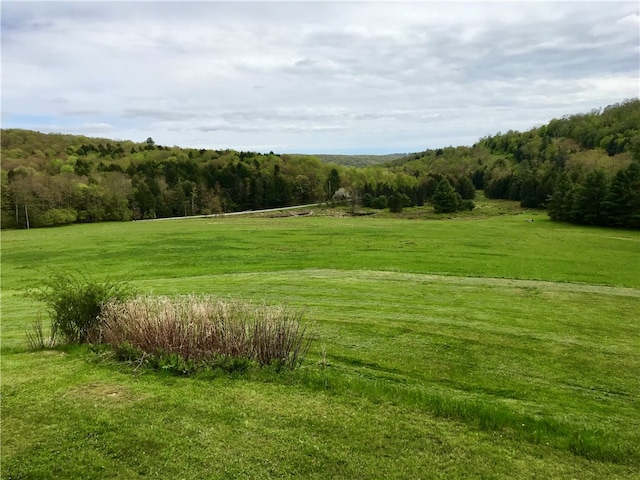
358 275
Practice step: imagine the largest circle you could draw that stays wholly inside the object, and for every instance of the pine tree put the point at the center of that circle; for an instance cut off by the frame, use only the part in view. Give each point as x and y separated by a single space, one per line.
559 204
445 199
588 202
621 207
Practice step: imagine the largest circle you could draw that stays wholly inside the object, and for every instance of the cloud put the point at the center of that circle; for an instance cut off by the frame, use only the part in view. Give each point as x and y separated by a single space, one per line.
312 77
157 114
97 128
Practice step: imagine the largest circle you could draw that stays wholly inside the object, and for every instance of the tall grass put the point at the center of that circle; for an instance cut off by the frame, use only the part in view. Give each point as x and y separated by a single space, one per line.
36 338
205 330
584 440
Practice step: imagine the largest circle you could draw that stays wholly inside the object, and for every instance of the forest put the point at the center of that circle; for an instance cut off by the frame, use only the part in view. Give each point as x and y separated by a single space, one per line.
582 168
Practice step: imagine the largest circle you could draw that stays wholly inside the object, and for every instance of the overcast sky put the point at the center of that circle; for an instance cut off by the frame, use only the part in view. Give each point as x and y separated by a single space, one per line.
312 77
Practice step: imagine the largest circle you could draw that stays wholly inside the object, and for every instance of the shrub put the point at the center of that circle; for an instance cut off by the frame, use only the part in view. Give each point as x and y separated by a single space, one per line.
181 333
398 201
467 205
367 200
380 202
56 216
75 301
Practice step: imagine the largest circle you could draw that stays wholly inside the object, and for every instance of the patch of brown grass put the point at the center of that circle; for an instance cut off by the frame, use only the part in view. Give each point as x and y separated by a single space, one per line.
202 329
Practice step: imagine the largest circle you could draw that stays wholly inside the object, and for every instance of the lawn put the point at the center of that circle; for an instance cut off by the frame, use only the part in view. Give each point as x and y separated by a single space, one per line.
477 347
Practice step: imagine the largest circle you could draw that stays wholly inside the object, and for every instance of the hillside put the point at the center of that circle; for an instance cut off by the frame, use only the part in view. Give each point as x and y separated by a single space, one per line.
583 167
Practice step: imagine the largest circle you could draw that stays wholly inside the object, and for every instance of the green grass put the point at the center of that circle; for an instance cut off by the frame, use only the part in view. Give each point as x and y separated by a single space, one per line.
476 347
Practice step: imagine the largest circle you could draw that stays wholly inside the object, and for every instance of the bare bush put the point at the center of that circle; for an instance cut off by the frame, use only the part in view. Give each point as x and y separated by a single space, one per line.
205 329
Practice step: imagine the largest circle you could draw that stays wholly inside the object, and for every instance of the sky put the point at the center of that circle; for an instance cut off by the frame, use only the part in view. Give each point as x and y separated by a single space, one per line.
312 77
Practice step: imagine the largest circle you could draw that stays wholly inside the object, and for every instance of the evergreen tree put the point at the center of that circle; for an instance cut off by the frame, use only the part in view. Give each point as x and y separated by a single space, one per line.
466 188
588 201
621 206
333 181
529 191
445 199
397 202
559 202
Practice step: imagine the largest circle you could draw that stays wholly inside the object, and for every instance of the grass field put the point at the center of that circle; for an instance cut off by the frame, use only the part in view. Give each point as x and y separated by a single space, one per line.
483 347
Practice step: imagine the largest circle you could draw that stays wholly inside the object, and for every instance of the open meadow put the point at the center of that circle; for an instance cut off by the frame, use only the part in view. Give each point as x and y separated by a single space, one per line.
488 347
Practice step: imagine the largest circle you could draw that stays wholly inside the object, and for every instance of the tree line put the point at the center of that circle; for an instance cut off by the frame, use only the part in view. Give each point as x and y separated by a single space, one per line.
54 179
583 168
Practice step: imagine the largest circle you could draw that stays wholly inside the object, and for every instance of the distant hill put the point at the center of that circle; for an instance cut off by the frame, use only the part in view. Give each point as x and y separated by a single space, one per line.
360 160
